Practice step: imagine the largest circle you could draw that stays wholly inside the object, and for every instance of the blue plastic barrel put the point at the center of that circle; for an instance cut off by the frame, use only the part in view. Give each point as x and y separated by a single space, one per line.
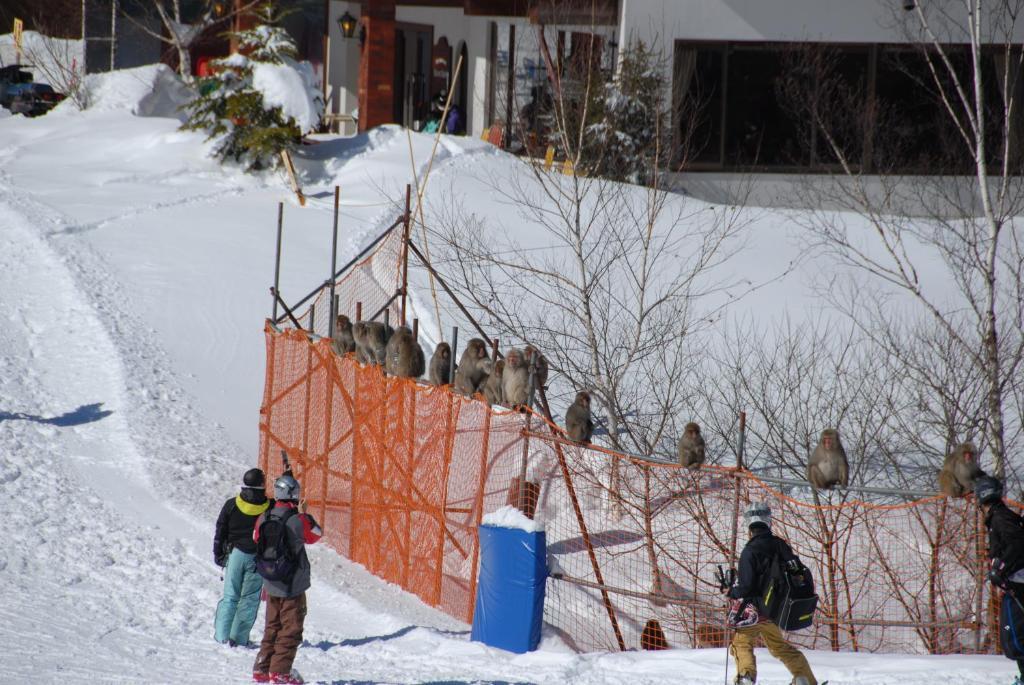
510 591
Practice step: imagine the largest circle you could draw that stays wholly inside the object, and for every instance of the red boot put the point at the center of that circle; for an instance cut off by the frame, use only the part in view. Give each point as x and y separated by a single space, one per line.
292 678
258 677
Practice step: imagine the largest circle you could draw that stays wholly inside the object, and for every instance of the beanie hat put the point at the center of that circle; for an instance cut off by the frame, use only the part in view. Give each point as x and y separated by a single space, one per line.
987 489
255 479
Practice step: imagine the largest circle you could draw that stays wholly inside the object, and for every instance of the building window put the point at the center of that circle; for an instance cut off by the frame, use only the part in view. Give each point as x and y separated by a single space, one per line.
812 106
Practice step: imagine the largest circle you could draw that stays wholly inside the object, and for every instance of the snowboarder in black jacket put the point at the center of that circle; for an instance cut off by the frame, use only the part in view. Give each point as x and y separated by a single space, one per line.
1005 545
751 579
235 551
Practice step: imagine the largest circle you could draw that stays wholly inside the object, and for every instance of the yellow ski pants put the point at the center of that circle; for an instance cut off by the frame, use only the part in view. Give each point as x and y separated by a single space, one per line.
742 649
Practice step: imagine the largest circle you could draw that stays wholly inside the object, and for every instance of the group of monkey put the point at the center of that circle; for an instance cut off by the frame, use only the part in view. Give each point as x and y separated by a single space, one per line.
828 467
504 382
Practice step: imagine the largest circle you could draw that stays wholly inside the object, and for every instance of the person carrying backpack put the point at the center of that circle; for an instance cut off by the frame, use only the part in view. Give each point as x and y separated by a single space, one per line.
281 536
747 595
235 552
1006 572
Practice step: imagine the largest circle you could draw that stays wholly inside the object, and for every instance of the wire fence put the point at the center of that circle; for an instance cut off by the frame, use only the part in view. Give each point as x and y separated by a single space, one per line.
401 473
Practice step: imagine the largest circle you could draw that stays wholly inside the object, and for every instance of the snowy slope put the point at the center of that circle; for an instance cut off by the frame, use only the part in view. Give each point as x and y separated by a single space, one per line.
133 286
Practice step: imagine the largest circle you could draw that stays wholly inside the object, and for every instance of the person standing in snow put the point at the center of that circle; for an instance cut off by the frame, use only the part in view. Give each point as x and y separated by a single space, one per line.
286 599
746 591
234 551
1005 549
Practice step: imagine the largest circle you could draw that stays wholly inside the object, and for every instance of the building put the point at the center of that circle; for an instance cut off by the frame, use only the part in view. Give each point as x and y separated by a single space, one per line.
733 66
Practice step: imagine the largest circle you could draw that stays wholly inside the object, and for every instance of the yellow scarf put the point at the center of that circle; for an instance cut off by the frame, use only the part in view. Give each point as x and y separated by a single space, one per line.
250 509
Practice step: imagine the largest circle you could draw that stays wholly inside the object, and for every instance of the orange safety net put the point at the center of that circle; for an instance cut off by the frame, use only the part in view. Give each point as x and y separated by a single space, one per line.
400 475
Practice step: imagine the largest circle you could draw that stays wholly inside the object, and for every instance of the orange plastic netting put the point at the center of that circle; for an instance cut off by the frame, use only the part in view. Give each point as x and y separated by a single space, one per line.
400 474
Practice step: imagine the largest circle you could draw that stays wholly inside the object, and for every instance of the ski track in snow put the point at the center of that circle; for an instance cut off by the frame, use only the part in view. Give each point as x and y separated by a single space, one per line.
107 573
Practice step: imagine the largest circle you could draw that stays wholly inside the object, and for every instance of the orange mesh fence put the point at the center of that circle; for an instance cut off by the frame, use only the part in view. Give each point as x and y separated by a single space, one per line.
400 475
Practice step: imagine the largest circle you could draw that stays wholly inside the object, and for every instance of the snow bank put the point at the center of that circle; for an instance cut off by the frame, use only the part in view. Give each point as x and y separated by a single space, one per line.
150 91
292 87
510 517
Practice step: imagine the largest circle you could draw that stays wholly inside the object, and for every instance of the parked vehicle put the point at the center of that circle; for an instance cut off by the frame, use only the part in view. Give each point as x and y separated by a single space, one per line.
11 76
34 99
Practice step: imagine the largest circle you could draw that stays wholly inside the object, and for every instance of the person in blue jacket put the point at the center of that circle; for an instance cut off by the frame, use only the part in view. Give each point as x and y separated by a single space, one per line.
235 551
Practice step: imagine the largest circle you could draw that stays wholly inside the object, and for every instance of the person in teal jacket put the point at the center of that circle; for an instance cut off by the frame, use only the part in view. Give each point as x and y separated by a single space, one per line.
235 551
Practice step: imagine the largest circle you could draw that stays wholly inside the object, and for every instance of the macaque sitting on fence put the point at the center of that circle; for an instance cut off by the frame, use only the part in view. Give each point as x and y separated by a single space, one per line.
515 379
959 470
579 423
472 371
827 466
492 386
404 356
371 342
691 446
343 341
441 365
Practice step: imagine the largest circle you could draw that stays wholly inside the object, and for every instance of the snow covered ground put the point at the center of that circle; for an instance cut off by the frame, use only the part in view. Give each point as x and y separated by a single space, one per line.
133 287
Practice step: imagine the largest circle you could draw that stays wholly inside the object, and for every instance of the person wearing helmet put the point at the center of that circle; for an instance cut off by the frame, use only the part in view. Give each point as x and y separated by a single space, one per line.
1006 550
746 590
234 551
286 599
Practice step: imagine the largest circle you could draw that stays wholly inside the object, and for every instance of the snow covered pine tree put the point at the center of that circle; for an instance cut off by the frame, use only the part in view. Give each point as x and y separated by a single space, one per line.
260 101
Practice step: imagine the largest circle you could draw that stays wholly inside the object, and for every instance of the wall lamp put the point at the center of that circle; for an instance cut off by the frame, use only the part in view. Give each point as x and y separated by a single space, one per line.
348 25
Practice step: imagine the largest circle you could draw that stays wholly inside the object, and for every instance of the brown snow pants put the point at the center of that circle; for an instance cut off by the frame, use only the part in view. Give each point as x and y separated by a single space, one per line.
281 635
742 649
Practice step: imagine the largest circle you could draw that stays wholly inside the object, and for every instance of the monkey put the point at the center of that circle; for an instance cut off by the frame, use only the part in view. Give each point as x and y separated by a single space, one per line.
515 379
691 446
827 466
440 364
472 371
540 375
371 342
579 425
492 386
343 342
404 356
959 470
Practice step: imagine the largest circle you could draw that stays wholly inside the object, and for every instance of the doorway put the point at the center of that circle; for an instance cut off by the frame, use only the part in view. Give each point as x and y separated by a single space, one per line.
413 44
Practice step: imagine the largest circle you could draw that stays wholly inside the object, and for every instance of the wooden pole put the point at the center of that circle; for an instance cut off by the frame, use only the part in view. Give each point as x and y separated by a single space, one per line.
405 250
334 265
277 259
451 361
598 576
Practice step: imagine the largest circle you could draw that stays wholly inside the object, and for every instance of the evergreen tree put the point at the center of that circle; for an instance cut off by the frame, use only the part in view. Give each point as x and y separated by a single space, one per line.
232 106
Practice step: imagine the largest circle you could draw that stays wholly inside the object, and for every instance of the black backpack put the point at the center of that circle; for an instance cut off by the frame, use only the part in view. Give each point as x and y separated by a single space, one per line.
788 597
274 558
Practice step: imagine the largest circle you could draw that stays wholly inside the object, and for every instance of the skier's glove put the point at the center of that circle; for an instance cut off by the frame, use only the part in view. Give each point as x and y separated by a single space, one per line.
220 554
997 574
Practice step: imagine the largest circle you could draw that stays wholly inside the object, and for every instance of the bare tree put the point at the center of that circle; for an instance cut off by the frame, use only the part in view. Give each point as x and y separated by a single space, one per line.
967 223
57 59
181 30
613 282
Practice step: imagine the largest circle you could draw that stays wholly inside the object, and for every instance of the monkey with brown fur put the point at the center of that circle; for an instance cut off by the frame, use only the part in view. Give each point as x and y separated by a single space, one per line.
540 376
492 386
691 446
828 466
579 424
472 371
404 356
959 470
371 342
441 364
343 341
515 379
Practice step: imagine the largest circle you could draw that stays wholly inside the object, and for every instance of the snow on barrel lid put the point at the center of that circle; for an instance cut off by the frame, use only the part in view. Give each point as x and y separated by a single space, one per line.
510 517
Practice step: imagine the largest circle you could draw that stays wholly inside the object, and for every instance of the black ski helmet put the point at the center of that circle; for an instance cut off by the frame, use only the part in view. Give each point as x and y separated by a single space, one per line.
255 479
987 489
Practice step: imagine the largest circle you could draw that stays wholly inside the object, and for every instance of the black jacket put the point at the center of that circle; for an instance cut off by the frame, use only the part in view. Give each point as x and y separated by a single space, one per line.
755 560
1005 537
236 521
